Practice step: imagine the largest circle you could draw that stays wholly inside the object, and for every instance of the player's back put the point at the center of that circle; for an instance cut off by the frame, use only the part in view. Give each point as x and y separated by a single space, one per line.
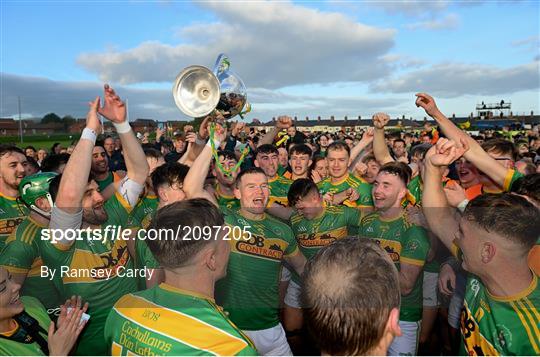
165 320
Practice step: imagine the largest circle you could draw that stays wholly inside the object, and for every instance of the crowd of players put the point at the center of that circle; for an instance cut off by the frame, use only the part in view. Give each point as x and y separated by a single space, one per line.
380 242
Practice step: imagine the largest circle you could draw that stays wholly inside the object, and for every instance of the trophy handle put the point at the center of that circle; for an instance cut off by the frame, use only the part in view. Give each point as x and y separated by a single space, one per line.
222 64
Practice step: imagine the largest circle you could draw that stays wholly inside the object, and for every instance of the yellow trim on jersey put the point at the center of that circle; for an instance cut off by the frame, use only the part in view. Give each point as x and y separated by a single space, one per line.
346 177
174 289
533 309
520 295
37 223
411 261
194 332
527 327
508 179
273 178
11 332
8 197
15 270
123 202
29 234
116 349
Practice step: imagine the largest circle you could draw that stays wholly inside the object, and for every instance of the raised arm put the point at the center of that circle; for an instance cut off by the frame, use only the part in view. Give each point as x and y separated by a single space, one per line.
194 181
367 139
476 155
115 111
439 215
380 149
75 176
283 122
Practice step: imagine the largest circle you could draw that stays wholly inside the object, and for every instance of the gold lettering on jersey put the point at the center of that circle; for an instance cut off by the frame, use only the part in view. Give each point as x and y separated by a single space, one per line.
103 266
321 239
475 343
7 226
262 247
140 342
392 247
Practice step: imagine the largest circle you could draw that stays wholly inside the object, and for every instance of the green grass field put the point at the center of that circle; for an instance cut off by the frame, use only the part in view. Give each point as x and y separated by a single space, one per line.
40 141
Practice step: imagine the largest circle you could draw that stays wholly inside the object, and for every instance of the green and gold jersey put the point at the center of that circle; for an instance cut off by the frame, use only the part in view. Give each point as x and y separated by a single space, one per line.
12 214
492 326
223 200
140 218
335 222
165 320
511 177
404 243
279 189
249 292
101 271
14 348
22 255
363 188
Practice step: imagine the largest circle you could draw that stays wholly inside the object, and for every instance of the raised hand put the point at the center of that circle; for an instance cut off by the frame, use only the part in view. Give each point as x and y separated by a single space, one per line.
445 152
113 109
427 103
188 128
70 325
284 122
368 135
92 120
380 120
315 176
74 302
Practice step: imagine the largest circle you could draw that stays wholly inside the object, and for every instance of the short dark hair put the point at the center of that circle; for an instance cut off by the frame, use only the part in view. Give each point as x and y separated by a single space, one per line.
401 170
52 162
339 145
169 173
174 251
8 149
528 186
368 158
153 153
299 189
399 140
502 146
54 185
227 155
301 149
420 150
30 147
33 162
251 170
348 316
266 149
508 215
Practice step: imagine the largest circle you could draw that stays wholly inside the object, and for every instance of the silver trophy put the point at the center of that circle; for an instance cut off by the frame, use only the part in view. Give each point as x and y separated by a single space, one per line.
199 92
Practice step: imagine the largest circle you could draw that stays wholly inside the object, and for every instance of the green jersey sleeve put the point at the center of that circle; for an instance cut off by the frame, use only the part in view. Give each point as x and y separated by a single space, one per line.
292 247
415 246
353 217
18 256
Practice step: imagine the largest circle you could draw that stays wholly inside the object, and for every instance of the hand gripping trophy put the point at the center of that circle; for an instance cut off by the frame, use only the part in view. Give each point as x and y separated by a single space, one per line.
221 94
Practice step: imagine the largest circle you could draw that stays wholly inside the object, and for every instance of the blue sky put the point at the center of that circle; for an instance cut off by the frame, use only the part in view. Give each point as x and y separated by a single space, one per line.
298 58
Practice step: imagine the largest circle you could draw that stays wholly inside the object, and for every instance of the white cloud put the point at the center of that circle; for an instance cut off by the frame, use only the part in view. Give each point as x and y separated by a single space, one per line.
270 44
411 7
457 79
42 96
531 43
450 21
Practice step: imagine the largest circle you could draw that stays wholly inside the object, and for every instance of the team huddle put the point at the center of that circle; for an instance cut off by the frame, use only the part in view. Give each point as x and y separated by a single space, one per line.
230 241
